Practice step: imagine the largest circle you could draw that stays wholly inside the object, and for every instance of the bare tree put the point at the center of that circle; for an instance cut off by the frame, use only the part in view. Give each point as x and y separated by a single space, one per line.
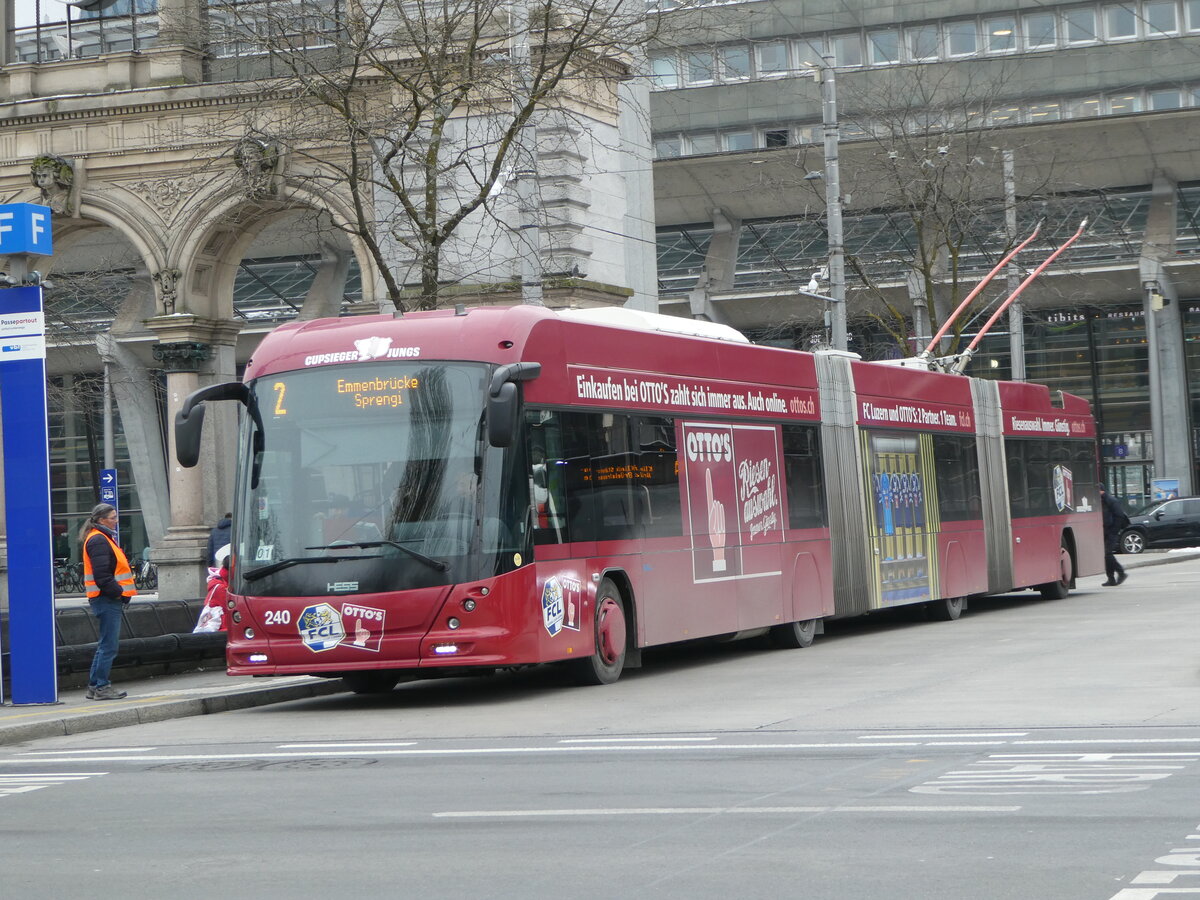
421 110
931 178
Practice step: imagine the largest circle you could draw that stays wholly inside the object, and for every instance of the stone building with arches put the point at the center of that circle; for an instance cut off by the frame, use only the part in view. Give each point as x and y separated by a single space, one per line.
183 233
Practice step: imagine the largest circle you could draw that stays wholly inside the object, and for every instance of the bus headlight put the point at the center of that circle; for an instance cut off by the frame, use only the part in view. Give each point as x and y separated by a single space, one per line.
453 623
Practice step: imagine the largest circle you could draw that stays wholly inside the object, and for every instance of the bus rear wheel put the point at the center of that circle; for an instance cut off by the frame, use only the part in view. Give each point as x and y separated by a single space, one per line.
1058 590
607 661
793 635
947 609
372 682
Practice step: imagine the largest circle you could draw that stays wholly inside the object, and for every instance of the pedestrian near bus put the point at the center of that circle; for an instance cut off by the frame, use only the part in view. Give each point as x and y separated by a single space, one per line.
1115 521
108 582
219 537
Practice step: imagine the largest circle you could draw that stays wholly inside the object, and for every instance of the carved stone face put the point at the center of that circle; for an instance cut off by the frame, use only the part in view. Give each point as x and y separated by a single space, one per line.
44 178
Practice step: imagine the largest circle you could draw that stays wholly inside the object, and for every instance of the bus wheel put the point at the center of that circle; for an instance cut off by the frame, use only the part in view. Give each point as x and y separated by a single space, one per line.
793 635
1058 590
605 664
374 682
945 610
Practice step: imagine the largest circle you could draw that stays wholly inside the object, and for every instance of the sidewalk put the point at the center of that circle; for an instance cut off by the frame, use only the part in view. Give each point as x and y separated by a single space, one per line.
199 693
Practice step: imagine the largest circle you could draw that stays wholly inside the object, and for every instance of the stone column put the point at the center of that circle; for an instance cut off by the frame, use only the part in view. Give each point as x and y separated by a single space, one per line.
176 56
181 555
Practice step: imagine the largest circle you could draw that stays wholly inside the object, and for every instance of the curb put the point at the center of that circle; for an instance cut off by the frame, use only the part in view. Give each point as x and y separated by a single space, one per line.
59 724
1140 561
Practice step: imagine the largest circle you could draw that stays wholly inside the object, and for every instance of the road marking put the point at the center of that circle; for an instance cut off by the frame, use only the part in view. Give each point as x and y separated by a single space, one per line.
714 810
649 740
106 750
982 734
1183 740
459 751
347 745
23 783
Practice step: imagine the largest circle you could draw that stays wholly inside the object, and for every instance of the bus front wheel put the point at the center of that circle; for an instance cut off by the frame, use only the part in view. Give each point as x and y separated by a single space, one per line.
608 658
794 635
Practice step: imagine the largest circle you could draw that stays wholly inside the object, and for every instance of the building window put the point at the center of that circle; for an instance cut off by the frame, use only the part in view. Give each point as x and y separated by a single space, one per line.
1119 22
1081 25
1192 9
772 59
699 65
735 63
703 143
848 51
667 148
1041 31
774 138
1084 108
1001 35
962 38
664 69
1124 103
922 42
1005 115
1165 99
884 46
739 140
1160 17
1045 112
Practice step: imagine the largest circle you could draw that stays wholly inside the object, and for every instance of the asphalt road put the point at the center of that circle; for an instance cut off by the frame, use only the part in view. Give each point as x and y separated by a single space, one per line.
1030 750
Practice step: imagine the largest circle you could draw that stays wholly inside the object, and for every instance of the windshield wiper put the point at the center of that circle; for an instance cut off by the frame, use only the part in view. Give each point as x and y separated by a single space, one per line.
438 564
264 571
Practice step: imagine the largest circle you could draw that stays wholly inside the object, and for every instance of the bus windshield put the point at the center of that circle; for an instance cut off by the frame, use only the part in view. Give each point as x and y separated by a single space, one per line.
373 478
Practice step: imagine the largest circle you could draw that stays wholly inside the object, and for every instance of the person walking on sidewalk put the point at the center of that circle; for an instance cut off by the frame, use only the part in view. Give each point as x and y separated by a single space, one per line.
108 581
1115 521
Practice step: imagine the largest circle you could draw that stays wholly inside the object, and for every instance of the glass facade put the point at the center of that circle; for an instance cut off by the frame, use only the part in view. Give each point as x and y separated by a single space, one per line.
76 423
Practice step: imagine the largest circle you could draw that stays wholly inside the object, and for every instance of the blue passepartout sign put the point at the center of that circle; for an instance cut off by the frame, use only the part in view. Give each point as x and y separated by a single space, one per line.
25 228
32 654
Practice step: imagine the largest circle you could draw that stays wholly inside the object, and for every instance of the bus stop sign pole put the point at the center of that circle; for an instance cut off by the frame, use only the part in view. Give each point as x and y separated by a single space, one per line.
25 232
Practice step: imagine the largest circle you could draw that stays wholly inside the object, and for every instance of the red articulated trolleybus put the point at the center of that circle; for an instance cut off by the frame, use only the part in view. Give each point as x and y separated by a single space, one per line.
460 490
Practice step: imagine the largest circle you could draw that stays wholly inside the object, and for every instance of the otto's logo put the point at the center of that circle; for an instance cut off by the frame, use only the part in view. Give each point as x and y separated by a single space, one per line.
372 348
704 446
320 627
552 606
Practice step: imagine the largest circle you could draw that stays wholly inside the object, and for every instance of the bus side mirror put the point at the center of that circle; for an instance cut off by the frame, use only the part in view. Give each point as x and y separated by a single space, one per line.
188 427
189 421
504 403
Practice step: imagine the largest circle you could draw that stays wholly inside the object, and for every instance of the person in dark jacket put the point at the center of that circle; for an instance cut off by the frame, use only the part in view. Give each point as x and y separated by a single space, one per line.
219 538
1115 521
108 581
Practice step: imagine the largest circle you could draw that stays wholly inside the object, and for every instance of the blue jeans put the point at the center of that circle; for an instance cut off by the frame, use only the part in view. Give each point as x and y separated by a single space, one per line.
108 612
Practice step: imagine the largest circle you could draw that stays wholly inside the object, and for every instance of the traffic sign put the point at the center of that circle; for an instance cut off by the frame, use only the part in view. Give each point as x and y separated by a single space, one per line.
25 228
108 487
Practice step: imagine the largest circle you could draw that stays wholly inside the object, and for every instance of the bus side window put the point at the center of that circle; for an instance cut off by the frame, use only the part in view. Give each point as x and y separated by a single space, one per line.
560 476
657 485
957 469
802 472
1018 469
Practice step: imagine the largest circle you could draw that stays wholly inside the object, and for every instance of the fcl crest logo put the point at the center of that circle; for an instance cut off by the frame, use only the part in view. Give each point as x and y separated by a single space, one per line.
552 606
321 628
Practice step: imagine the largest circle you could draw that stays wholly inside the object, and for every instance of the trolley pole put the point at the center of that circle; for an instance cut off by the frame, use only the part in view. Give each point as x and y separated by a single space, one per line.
833 203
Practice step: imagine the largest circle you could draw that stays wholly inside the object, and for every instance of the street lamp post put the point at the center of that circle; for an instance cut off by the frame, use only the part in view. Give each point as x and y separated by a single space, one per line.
833 203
